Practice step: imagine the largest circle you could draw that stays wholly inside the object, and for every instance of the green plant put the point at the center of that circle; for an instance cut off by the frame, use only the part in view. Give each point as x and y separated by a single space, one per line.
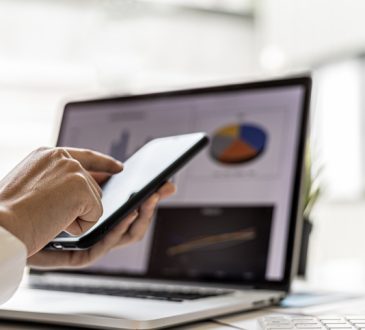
311 189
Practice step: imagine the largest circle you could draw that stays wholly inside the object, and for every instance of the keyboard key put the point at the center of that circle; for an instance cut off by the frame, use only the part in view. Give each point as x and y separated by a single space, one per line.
279 322
308 325
355 317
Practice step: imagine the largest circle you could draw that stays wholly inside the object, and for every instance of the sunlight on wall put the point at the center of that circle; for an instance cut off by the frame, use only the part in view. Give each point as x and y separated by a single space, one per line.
337 128
62 50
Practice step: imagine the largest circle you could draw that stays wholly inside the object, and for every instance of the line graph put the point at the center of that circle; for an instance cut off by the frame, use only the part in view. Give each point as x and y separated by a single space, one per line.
213 240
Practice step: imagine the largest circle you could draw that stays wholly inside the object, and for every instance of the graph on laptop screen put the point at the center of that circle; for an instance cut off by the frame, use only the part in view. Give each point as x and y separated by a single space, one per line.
230 215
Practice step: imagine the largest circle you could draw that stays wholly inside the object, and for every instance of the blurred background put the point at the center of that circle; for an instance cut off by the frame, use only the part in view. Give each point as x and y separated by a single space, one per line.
54 51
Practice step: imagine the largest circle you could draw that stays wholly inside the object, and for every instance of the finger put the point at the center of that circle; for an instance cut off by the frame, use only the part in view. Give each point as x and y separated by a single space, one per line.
93 184
113 238
82 258
80 168
79 226
75 259
92 208
48 259
100 177
95 161
138 229
167 190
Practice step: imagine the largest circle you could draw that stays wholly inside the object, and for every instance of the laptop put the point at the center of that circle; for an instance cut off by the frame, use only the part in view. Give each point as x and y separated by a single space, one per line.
224 243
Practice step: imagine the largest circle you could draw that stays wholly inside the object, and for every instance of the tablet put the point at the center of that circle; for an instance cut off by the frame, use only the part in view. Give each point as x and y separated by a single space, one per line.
143 174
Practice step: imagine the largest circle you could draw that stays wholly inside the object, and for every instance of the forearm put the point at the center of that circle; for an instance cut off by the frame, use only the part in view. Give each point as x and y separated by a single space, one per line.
13 254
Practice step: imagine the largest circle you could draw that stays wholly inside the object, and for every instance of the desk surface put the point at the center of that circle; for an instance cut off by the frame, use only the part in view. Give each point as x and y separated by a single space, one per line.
245 321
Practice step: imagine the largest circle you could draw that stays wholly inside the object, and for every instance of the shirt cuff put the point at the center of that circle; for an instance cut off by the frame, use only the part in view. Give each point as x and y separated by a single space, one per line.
13 257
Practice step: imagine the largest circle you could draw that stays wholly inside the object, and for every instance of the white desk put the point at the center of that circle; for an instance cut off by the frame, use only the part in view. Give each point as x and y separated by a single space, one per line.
245 321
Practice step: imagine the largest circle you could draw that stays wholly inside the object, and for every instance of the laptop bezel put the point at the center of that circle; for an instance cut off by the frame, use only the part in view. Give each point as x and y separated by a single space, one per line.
305 82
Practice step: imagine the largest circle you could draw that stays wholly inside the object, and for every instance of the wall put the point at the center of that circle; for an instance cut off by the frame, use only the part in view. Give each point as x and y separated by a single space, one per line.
59 50
307 31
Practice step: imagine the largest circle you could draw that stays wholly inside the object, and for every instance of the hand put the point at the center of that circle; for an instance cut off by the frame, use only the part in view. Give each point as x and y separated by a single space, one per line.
129 230
52 190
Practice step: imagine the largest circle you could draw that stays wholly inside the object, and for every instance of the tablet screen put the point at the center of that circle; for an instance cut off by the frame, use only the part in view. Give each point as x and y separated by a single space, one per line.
144 166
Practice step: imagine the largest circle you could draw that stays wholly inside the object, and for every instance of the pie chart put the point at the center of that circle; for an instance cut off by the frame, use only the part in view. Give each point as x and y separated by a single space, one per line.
238 143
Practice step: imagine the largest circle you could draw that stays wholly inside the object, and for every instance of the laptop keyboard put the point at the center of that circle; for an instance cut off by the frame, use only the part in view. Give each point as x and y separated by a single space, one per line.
325 322
141 293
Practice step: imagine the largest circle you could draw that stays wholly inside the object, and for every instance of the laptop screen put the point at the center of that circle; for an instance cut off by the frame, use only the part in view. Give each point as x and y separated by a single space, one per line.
233 215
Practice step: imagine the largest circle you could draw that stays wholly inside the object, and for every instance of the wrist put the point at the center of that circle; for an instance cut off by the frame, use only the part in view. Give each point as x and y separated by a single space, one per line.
6 217
8 222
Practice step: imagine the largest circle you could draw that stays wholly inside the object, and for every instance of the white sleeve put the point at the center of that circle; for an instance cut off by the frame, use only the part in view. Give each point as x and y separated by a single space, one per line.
13 256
